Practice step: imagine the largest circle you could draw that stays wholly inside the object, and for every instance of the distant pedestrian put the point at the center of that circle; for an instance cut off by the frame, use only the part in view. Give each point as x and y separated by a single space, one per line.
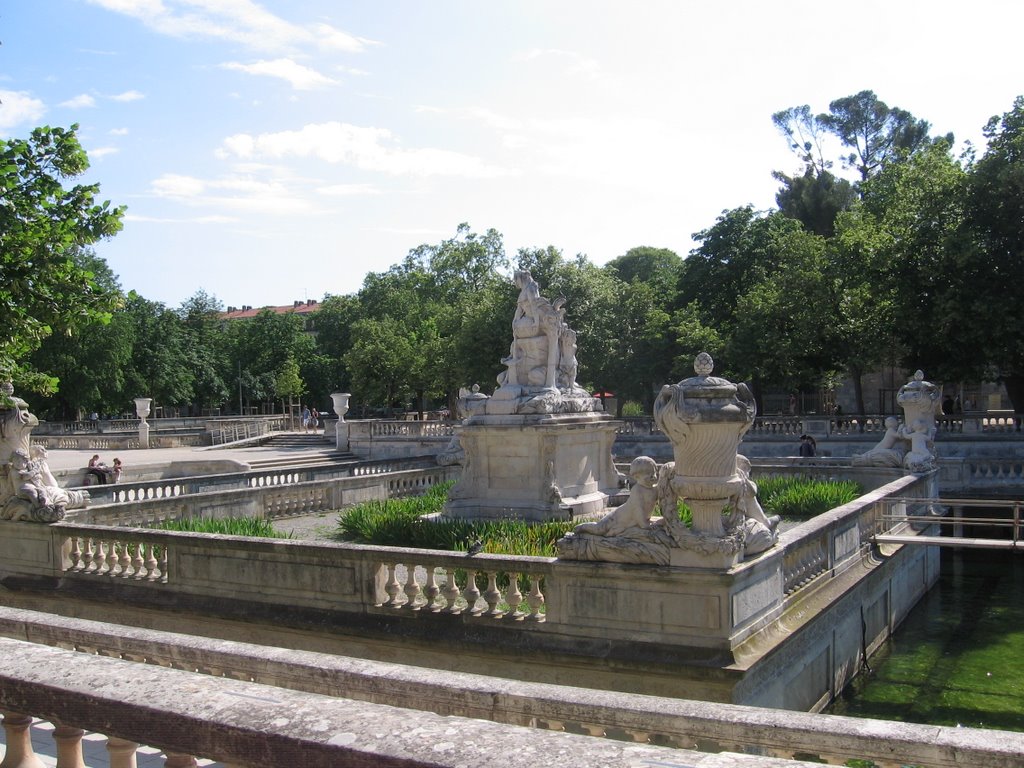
305 418
315 415
808 446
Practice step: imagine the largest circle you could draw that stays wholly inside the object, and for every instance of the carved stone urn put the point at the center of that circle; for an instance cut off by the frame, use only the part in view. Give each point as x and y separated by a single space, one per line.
142 406
705 417
340 402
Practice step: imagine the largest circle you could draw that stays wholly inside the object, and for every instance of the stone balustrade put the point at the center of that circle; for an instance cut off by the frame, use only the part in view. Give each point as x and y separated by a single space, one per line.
267 493
221 679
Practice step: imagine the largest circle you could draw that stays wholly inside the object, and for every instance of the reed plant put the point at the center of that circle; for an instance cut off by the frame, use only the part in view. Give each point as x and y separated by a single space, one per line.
401 523
798 497
255 527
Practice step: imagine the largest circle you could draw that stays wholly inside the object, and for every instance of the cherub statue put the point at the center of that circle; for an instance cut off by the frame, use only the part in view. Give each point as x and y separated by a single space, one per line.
637 511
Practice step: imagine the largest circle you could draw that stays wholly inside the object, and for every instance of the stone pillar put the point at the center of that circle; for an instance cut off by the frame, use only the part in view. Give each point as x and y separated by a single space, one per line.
19 742
69 746
340 400
142 405
122 752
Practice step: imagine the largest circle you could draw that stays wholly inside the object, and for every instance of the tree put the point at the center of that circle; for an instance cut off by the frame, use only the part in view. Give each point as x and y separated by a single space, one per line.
814 199
208 358
160 362
992 269
43 227
874 132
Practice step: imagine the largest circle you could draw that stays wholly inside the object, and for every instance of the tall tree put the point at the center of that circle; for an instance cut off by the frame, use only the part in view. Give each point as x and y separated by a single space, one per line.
43 227
874 132
209 360
992 270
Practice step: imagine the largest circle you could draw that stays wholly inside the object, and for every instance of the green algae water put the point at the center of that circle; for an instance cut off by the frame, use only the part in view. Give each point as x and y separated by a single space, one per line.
958 658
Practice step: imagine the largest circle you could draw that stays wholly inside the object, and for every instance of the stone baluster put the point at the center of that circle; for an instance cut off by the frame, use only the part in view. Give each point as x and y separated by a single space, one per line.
535 599
162 565
87 545
472 592
179 760
392 587
69 746
75 555
137 561
149 563
431 591
19 742
451 592
125 559
492 595
122 752
412 587
514 597
99 556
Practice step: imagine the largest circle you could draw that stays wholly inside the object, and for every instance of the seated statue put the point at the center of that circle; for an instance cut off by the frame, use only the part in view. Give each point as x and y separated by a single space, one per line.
36 494
637 511
889 451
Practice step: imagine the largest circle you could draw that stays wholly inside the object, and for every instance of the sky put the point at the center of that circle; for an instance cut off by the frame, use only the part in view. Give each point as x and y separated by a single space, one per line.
269 152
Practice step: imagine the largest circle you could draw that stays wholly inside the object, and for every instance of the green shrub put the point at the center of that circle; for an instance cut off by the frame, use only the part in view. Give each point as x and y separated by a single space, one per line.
802 497
399 523
632 408
256 527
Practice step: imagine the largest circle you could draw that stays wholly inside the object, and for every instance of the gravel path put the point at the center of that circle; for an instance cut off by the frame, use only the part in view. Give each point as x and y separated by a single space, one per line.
318 527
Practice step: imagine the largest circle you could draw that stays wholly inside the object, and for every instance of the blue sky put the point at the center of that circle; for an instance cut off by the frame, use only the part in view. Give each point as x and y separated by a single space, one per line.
276 151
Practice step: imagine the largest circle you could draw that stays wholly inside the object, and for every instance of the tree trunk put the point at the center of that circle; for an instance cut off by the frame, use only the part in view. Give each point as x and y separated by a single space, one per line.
419 403
856 374
1015 391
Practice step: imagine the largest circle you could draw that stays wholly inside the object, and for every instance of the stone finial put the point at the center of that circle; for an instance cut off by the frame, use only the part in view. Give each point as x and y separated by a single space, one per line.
703 364
918 375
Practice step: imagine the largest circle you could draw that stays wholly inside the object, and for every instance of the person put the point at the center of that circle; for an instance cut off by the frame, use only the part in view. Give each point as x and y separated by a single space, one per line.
807 446
315 415
116 472
305 417
792 405
98 469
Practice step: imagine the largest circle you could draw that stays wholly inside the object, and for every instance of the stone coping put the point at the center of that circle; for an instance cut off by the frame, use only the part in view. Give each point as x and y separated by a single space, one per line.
714 727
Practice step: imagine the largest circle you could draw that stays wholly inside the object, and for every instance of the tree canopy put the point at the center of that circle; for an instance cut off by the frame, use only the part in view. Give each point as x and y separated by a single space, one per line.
46 281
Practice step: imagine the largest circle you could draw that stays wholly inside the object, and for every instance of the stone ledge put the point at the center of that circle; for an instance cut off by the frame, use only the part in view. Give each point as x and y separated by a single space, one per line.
247 723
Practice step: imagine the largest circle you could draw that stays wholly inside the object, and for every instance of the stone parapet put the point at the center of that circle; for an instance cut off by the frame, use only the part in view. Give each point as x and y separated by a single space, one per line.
279 677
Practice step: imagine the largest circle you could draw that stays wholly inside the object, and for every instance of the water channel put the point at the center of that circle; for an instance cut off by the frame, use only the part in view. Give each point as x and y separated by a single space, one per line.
958 658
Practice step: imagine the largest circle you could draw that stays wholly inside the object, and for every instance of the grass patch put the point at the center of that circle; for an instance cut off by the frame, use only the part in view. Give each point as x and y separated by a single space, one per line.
398 523
255 527
802 497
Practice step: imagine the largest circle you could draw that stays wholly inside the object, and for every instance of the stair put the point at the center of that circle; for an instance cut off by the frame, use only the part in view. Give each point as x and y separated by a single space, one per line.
309 450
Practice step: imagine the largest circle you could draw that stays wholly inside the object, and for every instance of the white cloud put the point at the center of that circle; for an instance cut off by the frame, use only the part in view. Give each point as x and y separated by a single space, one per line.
233 192
17 107
128 96
239 21
79 102
118 131
300 77
572 63
348 190
134 217
371 149
99 152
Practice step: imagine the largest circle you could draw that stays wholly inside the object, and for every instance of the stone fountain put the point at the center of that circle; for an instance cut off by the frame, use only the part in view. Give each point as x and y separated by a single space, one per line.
539 448
910 445
704 417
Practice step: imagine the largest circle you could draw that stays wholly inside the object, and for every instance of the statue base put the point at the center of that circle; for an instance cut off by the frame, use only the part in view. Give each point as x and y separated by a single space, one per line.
534 467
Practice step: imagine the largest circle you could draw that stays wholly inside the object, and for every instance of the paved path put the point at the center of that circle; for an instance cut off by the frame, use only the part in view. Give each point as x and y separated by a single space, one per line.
72 458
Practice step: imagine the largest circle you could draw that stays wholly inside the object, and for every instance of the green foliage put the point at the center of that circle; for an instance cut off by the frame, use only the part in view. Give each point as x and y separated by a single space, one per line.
633 409
399 523
801 498
45 287
256 527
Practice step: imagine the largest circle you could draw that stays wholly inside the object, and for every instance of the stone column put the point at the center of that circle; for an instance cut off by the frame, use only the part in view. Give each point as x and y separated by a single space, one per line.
69 746
340 400
178 760
19 742
122 752
142 405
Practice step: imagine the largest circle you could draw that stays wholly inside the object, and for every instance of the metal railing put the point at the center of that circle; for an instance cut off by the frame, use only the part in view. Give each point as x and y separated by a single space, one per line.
903 518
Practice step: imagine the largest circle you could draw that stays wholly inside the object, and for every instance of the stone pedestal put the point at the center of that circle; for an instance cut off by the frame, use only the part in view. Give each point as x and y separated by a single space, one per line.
142 406
340 401
535 467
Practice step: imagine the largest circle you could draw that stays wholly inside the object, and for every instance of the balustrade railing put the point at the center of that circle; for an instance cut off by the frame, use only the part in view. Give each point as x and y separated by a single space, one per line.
409 428
204 696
